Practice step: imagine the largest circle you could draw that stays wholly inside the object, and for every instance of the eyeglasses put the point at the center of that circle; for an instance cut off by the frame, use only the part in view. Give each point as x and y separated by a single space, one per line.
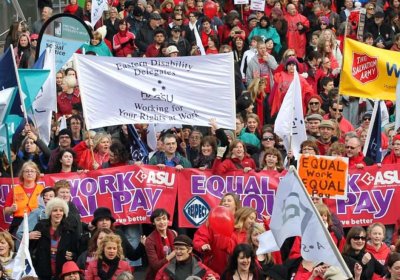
370 9
336 109
351 147
268 139
314 103
357 237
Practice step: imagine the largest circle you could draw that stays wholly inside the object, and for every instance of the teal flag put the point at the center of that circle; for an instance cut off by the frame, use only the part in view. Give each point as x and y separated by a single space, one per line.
32 81
6 100
7 130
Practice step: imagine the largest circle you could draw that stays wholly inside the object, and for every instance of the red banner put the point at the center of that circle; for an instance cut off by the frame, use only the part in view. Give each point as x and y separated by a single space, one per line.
132 193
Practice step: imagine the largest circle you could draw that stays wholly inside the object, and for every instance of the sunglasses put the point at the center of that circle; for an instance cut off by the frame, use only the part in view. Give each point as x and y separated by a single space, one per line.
339 110
366 119
351 147
268 139
314 103
357 237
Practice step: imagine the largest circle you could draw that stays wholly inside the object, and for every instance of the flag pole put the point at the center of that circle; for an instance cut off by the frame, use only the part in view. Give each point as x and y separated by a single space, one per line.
326 232
19 84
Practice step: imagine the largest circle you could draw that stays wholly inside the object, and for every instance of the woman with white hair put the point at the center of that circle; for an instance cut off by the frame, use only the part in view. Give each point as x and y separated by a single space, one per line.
100 142
57 244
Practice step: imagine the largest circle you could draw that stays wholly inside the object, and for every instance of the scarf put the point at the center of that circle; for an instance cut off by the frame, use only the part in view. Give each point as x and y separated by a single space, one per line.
159 244
112 267
260 109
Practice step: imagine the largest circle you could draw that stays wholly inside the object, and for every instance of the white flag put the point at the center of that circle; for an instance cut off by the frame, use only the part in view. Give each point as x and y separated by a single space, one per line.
294 214
63 122
98 7
289 123
179 90
397 104
23 262
46 101
5 102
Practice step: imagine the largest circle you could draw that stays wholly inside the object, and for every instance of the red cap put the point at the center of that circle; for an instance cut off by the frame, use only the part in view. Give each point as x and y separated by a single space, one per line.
69 267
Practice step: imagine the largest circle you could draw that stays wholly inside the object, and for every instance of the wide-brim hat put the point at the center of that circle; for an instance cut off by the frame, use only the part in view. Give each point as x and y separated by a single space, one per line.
101 213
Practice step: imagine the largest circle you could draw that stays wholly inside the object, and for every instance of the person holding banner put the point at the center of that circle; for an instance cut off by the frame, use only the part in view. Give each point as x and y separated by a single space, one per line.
394 155
355 155
160 243
23 197
92 153
170 156
238 159
354 252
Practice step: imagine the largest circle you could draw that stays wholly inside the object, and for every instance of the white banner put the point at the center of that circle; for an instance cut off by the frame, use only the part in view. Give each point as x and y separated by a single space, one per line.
257 5
182 90
98 7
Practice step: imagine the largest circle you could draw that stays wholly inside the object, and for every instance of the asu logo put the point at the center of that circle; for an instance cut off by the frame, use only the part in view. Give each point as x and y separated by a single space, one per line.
364 68
196 210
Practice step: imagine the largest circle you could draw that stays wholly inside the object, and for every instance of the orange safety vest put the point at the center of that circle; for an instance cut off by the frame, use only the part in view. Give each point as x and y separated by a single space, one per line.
24 202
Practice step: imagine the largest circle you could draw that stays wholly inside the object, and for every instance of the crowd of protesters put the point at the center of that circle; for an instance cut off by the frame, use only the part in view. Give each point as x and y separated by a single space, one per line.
267 47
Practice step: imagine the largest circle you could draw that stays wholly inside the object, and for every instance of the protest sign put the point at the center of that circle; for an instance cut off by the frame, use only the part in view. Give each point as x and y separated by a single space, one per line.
241 2
65 34
132 192
368 71
117 90
324 176
257 5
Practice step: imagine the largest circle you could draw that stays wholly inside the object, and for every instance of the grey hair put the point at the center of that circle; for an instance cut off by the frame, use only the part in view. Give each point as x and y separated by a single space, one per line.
126 275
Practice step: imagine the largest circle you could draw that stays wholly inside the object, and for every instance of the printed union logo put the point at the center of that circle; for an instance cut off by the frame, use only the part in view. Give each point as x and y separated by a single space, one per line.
196 210
364 68
367 178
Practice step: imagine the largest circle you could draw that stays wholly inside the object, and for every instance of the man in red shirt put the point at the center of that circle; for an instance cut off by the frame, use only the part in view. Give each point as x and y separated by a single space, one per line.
154 49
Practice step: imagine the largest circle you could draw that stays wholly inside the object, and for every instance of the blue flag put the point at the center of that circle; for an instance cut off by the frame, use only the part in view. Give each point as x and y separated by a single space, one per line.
39 64
138 149
8 79
374 148
32 81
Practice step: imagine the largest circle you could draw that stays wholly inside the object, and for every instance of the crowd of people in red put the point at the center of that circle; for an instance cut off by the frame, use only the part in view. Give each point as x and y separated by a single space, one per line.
268 46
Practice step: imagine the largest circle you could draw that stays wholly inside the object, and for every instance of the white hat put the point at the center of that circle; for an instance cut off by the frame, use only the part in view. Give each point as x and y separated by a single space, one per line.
172 49
56 202
334 273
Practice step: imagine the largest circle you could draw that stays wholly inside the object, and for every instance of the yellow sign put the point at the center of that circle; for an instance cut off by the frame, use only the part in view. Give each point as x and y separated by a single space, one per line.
369 72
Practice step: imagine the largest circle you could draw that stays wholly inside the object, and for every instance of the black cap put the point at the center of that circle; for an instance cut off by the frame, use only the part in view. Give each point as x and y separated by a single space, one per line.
184 240
379 14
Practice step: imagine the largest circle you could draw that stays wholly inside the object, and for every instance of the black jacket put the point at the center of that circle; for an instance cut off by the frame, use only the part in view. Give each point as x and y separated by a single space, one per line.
381 33
144 38
373 266
40 249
